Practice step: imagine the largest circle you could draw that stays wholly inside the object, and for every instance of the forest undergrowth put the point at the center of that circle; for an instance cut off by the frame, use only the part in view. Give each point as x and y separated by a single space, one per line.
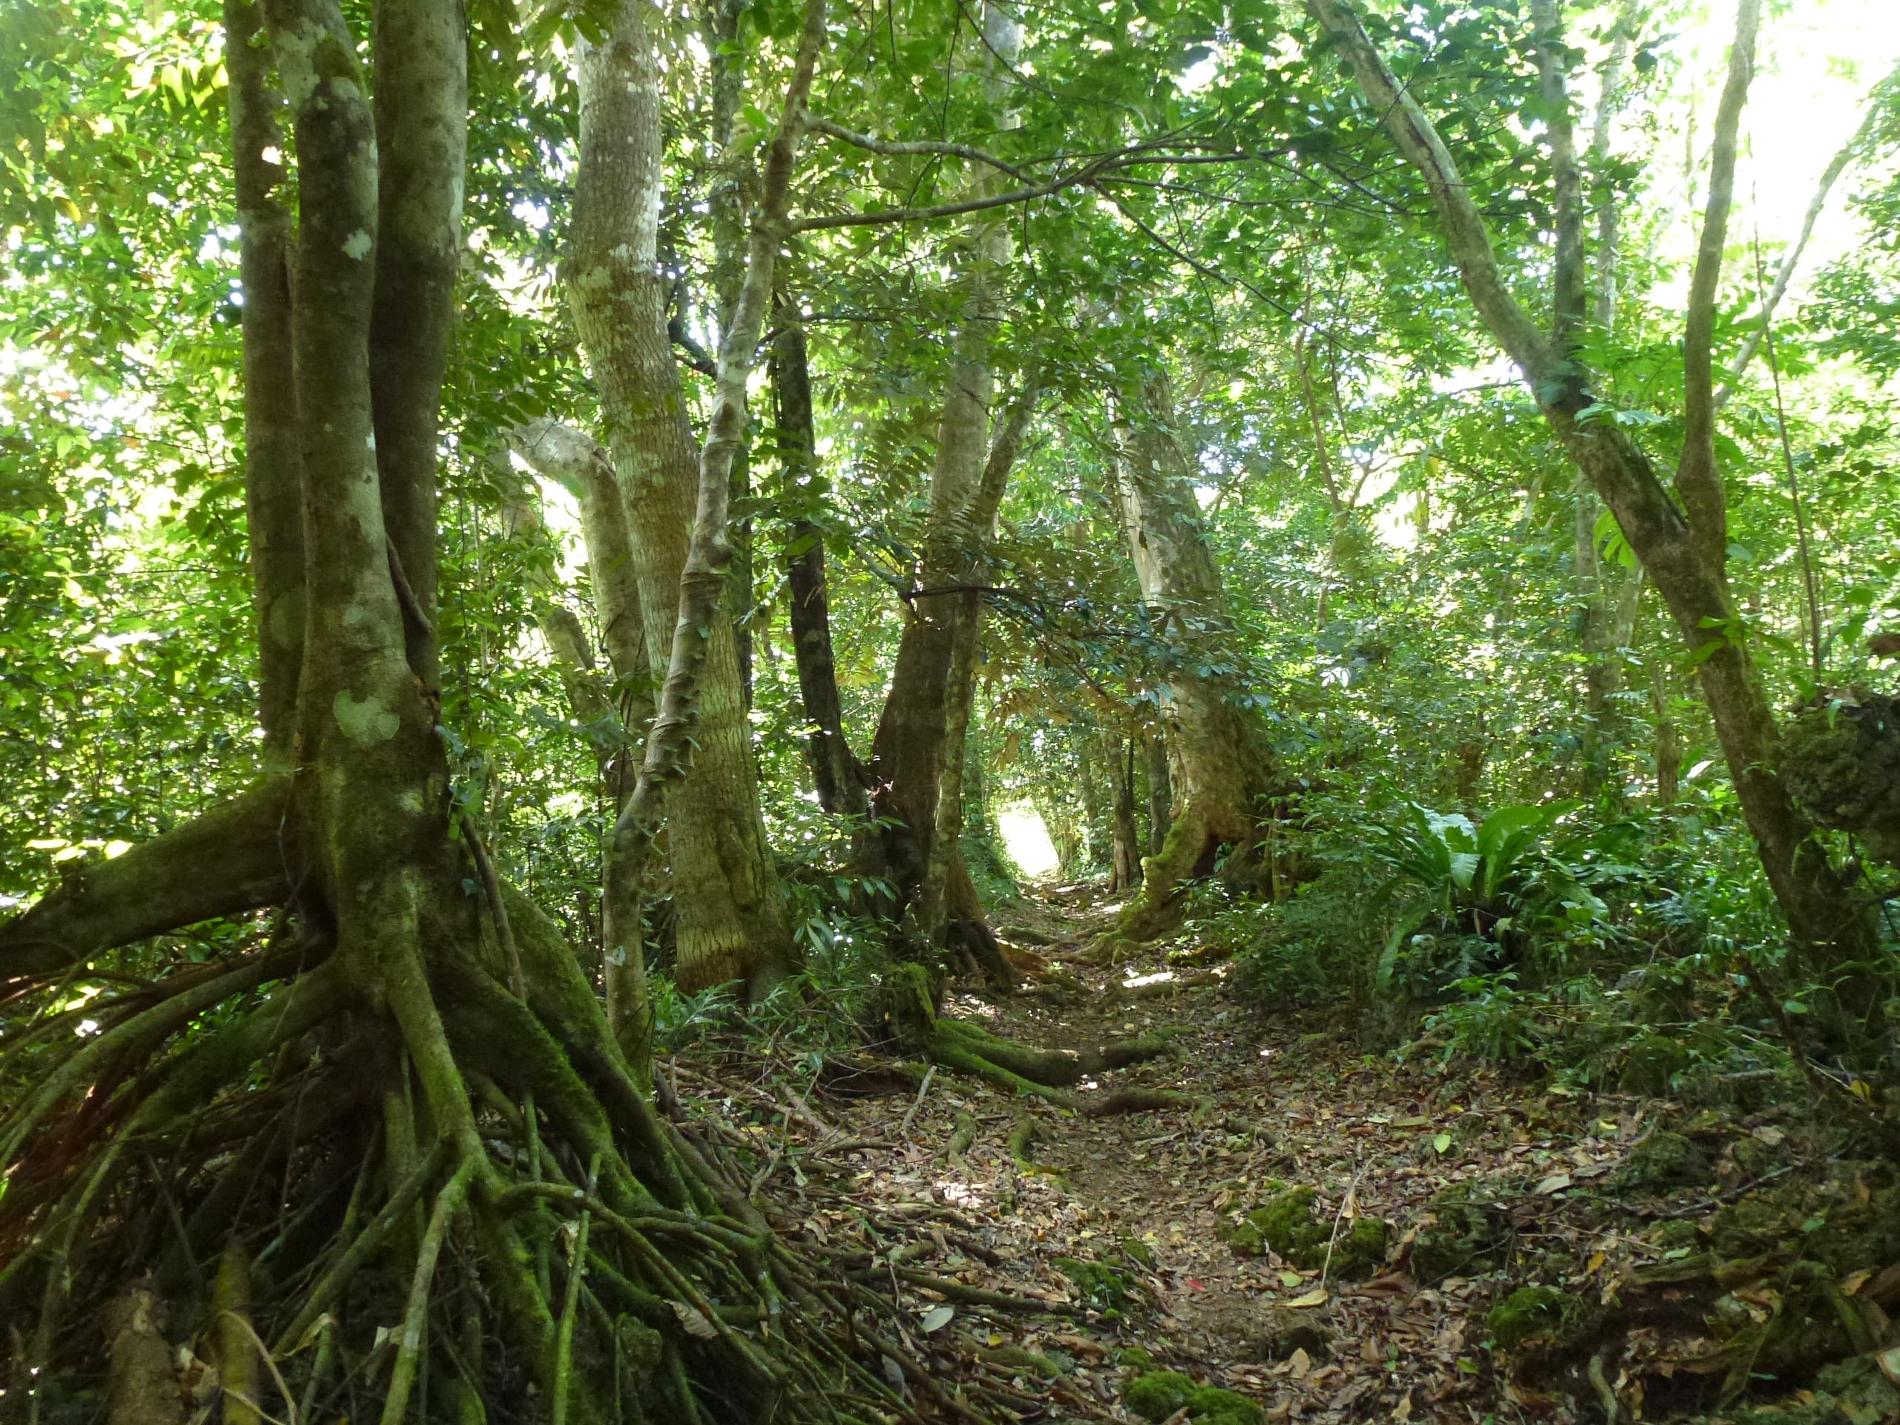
1310 1231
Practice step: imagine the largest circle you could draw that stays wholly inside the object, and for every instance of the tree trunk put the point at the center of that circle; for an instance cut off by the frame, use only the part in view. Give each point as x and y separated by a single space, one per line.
1225 768
617 717
836 773
910 751
340 1058
1125 861
1154 751
727 203
730 909
273 474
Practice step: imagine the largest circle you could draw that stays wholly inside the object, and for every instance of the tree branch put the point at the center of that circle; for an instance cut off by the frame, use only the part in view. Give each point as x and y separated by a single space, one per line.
1553 382
1698 481
1566 316
894 148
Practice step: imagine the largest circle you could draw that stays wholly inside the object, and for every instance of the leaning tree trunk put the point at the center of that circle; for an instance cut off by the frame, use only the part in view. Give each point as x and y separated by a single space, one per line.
396 1074
616 718
729 906
1683 549
1225 768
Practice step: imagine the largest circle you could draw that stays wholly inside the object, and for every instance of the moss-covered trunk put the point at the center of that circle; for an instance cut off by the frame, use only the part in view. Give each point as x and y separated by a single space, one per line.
1225 770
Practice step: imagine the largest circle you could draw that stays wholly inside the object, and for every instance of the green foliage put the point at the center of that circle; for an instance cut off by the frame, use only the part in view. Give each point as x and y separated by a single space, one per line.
1453 884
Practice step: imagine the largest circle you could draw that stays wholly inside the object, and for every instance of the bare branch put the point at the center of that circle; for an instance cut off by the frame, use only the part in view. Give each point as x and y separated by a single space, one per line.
893 148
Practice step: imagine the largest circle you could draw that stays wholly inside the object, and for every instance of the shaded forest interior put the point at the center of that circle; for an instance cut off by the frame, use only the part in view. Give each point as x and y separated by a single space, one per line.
551 558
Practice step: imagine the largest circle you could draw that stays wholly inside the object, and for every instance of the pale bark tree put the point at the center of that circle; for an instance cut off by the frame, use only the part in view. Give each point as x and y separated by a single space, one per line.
1682 540
730 916
617 715
1224 770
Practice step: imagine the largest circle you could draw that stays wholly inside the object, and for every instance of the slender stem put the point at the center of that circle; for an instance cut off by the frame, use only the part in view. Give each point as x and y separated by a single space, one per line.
402 1375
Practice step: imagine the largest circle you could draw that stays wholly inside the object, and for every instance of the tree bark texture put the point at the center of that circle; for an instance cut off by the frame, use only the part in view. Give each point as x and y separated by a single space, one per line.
910 751
729 907
1225 769
837 775
273 470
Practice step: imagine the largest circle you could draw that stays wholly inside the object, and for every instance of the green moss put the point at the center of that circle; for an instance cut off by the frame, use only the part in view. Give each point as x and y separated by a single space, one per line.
1462 1237
1650 1065
1137 1358
1155 1395
1665 1160
1215 1406
1100 1287
909 1003
1847 1225
1286 1226
1138 1252
1538 1314
1811 1322
1362 1248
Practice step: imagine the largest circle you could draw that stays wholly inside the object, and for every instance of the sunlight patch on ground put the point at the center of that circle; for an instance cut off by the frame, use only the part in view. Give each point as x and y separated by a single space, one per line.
1027 840
1161 977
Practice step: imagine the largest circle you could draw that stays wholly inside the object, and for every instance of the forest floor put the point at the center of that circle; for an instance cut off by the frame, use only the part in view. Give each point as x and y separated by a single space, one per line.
1062 1257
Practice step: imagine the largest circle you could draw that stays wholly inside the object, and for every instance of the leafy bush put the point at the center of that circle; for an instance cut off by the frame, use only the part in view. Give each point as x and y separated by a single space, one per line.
1468 897
1311 949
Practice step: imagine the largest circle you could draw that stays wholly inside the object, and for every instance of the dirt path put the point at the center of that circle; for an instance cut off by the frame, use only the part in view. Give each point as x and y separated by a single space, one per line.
1118 1221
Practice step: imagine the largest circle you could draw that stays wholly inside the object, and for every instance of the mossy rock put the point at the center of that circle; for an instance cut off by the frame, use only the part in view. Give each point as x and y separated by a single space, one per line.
1541 1315
1155 1395
1861 1390
1812 1323
1650 1065
1464 1236
1665 1160
1286 1226
1845 1224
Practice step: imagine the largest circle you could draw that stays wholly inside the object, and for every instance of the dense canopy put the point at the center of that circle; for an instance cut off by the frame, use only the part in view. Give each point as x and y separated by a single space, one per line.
598 599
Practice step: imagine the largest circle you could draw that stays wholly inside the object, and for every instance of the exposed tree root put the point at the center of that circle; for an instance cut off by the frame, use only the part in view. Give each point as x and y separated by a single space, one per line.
540 1237
1048 1074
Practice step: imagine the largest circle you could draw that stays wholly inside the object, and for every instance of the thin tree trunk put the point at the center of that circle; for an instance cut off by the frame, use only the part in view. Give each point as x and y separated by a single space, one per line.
729 907
837 775
1125 859
1154 750
617 718
727 203
273 471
